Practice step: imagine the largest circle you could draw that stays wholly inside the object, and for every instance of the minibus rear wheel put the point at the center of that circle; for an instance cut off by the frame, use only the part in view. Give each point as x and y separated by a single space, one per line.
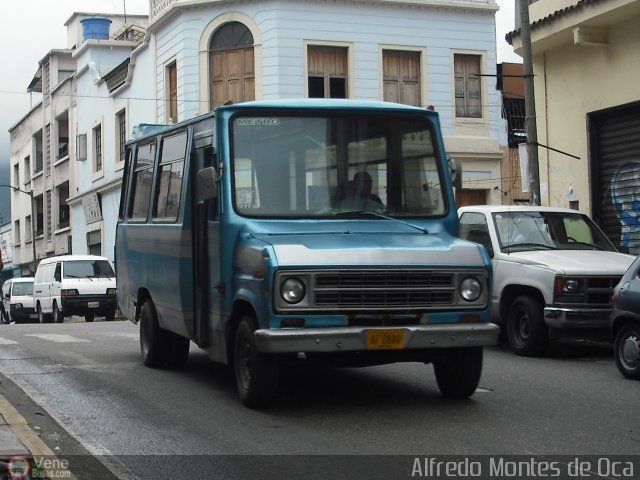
154 341
256 373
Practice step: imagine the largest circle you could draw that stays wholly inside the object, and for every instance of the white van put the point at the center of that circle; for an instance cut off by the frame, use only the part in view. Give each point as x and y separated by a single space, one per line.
17 296
83 285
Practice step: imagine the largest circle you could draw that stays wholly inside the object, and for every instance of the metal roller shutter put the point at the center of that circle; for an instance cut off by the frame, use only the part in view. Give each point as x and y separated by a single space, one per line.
615 161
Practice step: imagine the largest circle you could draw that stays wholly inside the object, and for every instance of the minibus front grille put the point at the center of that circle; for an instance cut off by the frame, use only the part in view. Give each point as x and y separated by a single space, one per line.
378 290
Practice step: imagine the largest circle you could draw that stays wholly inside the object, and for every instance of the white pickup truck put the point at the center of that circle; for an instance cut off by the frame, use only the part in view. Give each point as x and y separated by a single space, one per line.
554 272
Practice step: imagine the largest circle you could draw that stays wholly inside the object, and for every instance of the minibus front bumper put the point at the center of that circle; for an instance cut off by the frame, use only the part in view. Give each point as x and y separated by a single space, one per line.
351 339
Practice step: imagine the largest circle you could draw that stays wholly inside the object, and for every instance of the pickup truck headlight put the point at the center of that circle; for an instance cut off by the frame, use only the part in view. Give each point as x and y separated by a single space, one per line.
470 289
568 289
568 286
292 290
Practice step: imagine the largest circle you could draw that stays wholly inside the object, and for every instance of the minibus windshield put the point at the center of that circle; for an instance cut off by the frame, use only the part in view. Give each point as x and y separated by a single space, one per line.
314 166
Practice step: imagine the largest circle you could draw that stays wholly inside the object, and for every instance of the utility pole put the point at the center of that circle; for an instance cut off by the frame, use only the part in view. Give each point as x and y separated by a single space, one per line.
530 105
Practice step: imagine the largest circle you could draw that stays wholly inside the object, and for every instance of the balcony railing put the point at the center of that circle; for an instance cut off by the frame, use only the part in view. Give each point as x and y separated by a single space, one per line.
157 7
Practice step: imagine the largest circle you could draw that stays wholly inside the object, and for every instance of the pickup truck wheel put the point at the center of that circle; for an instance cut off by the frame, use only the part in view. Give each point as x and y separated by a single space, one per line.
154 341
526 331
58 317
458 373
626 349
256 374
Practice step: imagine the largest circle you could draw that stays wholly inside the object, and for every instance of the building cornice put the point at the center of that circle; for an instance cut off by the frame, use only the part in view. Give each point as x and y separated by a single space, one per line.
161 11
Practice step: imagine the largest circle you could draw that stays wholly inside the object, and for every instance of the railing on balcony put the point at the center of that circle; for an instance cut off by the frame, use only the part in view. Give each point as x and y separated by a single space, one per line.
157 7
63 147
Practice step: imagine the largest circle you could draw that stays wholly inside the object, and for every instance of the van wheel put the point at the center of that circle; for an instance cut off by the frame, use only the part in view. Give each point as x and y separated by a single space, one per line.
155 342
58 317
526 331
109 317
89 317
458 372
42 317
256 373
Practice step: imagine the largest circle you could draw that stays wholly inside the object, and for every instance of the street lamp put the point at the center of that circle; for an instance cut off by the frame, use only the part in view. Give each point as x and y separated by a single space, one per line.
33 223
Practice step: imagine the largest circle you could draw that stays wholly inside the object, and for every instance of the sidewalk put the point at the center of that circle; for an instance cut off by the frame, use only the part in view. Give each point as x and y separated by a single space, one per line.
18 442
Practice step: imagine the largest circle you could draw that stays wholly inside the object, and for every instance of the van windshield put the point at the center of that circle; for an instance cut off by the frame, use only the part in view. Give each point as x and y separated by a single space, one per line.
315 166
22 288
88 269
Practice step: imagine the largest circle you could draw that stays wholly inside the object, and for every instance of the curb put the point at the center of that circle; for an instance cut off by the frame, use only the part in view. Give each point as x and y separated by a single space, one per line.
18 442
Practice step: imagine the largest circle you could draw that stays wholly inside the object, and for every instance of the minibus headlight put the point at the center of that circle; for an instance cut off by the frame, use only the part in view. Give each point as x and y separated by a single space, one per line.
111 291
470 289
292 290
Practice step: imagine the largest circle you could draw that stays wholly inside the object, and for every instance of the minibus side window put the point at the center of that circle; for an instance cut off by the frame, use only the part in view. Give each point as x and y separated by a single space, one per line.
170 172
125 185
141 182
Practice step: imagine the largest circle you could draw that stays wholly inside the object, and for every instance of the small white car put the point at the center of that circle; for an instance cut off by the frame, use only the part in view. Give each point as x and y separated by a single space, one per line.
17 295
83 285
554 272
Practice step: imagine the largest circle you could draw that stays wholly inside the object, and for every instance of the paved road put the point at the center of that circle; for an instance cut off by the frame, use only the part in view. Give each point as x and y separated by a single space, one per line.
89 379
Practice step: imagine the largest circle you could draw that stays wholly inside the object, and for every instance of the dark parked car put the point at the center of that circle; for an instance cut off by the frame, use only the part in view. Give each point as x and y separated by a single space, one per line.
625 322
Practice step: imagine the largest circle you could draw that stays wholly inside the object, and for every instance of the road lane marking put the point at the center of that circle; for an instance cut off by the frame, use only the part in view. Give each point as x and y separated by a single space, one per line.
57 337
6 341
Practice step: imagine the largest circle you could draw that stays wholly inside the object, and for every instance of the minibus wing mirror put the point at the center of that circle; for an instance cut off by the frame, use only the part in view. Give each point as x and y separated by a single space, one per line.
207 184
455 167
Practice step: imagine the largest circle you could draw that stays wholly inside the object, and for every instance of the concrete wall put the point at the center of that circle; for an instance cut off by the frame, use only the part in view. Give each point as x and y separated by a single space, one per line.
570 82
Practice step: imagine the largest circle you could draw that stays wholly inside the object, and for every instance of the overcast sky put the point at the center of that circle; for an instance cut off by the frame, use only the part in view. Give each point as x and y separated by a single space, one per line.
29 29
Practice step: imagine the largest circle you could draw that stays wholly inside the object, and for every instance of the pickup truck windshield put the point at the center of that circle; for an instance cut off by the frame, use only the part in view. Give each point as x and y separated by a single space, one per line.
294 166
520 231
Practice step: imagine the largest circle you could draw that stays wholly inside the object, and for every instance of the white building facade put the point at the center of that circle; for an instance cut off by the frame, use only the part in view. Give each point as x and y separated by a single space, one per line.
107 104
48 152
197 55
421 52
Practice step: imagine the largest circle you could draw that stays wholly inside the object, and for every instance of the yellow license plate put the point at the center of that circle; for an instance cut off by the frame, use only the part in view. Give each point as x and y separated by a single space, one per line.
385 339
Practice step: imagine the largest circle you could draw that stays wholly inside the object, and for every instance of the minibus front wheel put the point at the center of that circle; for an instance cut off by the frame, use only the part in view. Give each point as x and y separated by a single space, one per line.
256 373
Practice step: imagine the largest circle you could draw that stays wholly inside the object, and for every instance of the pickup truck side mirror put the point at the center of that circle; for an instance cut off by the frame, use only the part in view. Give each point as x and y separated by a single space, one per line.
207 184
482 237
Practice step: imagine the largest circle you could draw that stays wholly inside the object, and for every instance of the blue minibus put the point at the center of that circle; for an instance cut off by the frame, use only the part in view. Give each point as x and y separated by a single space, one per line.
292 231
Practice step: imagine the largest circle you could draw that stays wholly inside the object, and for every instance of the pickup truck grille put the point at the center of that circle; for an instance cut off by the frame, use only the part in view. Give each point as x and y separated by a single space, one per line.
598 290
596 293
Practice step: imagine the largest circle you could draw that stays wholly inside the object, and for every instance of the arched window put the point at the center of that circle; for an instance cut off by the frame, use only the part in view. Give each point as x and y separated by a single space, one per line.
231 65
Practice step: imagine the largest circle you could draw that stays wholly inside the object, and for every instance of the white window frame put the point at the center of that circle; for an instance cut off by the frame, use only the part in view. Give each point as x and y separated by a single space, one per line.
119 108
483 119
350 63
95 172
423 67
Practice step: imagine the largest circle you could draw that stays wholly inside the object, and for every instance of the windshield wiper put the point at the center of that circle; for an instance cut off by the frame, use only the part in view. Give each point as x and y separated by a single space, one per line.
586 244
380 215
530 244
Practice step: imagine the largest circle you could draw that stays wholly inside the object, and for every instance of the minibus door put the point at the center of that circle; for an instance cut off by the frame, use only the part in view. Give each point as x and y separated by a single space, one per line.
206 261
